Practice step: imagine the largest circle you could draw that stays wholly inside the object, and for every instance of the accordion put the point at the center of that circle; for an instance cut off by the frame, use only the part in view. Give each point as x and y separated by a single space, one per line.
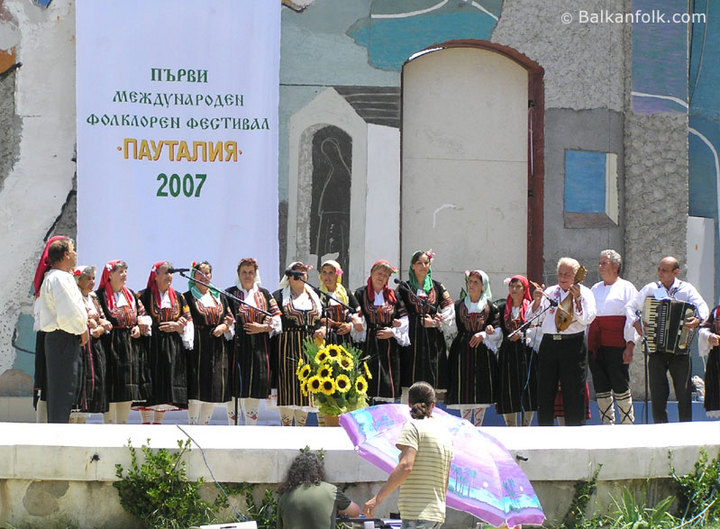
665 325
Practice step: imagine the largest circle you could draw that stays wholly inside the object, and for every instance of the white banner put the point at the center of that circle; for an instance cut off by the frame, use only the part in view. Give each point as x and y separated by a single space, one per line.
177 111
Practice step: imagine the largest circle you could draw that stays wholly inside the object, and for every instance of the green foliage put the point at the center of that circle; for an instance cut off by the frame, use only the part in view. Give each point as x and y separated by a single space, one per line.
699 492
575 516
158 491
264 513
631 514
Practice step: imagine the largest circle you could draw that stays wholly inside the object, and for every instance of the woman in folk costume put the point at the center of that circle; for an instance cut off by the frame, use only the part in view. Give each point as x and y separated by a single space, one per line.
337 322
517 362
252 359
709 348
172 335
301 311
473 367
127 377
432 314
209 361
40 381
93 394
385 324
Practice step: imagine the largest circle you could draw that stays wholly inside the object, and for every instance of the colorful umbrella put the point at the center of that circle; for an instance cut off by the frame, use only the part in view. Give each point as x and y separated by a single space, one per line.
485 480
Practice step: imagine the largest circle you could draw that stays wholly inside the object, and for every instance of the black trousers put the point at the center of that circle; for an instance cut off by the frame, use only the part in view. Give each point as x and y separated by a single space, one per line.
563 361
680 367
62 360
608 371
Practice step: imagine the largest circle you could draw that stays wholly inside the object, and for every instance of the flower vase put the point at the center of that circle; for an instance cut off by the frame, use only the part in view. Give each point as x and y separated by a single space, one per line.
332 420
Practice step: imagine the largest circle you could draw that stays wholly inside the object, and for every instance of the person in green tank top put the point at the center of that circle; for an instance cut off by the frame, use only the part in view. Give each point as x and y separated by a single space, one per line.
307 501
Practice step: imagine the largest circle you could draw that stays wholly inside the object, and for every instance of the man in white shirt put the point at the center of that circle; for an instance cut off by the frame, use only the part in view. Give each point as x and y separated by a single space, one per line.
63 317
563 355
611 340
659 363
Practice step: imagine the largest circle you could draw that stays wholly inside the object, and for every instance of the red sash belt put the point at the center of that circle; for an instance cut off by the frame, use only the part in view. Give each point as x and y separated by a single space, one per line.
606 331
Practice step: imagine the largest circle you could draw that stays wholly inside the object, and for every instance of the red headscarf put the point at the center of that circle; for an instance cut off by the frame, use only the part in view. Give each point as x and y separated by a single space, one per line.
388 293
525 301
105 285
44 264
152 285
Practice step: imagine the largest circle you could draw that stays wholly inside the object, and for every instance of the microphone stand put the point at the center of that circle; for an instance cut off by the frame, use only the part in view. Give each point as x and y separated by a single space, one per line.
325 310
207 283
522 328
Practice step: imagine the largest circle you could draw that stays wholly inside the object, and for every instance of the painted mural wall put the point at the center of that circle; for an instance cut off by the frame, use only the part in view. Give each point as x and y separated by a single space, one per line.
621 140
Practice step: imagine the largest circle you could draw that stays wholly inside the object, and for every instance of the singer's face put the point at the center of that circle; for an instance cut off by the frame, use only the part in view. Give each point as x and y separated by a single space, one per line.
204 275
163 280
566 276
475 287
379 278
421 267
329 277
118 278
247 276
86 283
516 291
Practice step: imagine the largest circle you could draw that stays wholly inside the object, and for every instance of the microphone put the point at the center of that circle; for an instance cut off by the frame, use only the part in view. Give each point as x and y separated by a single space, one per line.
401 283
173 270
294 274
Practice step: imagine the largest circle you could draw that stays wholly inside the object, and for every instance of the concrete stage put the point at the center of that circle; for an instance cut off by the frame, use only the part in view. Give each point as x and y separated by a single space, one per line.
65 472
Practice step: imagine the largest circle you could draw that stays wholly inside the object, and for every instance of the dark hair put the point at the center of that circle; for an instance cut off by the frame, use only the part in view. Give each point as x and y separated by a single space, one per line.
247 261
416 256
197 266
120 265
306 469
421 397
57 249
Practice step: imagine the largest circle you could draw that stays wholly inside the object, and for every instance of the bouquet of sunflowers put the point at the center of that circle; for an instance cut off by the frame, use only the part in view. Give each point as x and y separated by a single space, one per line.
336 376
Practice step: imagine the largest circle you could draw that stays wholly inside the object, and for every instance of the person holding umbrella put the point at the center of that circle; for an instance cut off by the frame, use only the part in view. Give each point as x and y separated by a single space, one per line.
424 467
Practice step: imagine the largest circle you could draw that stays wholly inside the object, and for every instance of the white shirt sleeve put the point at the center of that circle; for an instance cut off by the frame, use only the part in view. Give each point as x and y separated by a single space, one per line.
402 333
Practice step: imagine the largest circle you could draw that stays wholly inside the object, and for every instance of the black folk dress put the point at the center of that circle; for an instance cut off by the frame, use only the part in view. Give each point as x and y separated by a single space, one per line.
253 373
517 370
166 354
473 370
383 356
127 371
209 361
426 357
297 326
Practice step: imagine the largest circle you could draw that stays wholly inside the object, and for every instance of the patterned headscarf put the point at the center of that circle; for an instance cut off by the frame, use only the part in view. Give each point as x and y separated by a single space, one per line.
44 264
486 294
152 285
105 285
427 284
388 293
340 292
525 301
193 286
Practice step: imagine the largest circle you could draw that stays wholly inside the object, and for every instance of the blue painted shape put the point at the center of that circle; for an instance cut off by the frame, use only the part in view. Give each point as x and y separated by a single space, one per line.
659 59
585 181
704 139
43 3
25 344
391 41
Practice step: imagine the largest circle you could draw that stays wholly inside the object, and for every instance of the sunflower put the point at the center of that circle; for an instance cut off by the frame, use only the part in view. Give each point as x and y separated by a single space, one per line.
303 372
325 371
343 384
361 385
321 356
334 351
367 371
327 386
304 388
313 384
345 362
